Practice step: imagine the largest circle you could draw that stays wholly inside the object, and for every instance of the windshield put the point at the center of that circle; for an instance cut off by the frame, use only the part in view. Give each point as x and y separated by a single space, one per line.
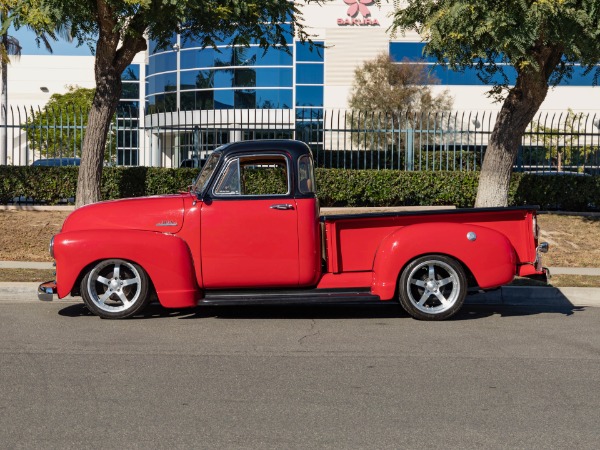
206 173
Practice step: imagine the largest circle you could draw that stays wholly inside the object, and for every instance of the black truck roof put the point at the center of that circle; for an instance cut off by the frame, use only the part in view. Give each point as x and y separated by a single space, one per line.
293 147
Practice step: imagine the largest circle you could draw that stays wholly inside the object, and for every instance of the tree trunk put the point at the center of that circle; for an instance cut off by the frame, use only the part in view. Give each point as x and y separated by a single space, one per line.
518 110
111 60
104 105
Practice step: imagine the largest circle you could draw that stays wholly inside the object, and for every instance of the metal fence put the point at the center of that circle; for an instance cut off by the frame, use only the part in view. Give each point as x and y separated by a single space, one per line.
554 142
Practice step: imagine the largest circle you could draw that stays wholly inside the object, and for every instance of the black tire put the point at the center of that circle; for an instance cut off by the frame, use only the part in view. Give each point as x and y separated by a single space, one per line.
432 287
115 289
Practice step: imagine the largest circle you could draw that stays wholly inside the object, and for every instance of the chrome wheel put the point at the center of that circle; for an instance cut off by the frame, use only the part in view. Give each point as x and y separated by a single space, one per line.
432 287
115 288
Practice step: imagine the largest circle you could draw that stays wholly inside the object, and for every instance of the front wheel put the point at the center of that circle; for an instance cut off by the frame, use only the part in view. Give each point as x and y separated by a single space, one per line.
432 287
115 289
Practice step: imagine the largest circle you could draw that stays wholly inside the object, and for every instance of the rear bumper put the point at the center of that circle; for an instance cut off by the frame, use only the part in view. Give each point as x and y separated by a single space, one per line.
535 270
46 291
543 276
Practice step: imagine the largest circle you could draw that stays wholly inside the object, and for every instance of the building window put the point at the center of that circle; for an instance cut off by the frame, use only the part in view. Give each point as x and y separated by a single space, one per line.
127 122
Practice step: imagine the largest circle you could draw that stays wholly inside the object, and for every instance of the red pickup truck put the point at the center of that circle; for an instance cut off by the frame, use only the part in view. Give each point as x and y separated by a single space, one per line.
249 231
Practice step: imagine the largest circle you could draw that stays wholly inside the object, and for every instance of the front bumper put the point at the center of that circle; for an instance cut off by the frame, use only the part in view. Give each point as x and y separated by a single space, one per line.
46 291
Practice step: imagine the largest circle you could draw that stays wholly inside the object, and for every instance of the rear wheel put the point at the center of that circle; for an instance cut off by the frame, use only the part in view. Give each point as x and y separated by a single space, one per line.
115 289
432 287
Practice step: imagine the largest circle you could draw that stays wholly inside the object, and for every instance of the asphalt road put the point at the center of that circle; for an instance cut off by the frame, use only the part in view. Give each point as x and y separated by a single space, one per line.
314 377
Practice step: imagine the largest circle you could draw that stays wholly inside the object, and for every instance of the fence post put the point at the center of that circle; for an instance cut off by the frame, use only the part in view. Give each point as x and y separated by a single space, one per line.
410 149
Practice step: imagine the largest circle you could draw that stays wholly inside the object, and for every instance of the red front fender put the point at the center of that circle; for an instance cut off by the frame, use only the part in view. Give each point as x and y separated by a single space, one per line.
490 257
166 259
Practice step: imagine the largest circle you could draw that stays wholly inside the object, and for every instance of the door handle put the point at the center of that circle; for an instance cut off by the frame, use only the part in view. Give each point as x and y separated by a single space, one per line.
282 206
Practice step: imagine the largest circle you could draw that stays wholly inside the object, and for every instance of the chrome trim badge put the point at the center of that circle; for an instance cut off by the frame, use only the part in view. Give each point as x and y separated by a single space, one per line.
166 223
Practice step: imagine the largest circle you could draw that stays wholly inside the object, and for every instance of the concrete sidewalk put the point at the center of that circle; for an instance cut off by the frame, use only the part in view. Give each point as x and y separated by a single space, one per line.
588 271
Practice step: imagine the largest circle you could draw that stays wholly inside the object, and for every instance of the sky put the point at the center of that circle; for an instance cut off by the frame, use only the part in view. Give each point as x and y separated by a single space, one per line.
61 47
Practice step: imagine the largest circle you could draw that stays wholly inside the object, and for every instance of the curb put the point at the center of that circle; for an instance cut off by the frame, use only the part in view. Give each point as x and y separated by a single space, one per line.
508 295
66 208
538 296
26 265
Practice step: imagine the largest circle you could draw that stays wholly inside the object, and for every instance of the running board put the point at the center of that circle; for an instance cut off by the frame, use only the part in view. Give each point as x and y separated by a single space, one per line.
287 297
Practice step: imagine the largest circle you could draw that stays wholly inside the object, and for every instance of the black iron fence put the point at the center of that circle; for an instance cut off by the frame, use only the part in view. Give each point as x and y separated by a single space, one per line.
566 142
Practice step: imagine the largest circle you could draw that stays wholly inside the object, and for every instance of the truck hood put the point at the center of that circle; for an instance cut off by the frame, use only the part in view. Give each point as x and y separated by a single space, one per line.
163 214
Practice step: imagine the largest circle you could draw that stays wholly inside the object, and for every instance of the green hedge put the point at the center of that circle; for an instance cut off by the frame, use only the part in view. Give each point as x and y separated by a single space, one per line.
53 185
337 187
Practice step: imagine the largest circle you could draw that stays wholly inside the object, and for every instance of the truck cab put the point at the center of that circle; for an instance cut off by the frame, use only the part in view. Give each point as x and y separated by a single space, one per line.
259 199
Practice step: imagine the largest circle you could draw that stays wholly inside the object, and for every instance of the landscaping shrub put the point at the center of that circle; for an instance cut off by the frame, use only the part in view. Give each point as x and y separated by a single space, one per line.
336 187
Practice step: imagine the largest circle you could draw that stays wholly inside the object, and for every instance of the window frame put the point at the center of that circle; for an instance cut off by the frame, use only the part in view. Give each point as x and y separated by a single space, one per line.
237 158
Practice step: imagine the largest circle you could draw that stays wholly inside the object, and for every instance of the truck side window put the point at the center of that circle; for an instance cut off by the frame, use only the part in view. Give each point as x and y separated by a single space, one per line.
256 175
306 177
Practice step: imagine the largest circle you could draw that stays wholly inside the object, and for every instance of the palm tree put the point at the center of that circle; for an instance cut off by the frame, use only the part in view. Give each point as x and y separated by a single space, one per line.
9 46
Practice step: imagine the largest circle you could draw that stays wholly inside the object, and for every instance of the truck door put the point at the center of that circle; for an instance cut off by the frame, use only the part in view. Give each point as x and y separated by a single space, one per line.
249 225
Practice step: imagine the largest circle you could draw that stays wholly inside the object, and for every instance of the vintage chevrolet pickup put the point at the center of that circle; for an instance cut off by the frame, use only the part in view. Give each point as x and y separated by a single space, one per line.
249 231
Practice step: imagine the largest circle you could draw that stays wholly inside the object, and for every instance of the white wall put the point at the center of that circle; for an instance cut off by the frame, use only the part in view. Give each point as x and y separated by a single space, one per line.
31 72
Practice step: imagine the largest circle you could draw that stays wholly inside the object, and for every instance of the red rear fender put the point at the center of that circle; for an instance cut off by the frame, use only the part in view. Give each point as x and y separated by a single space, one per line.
489 256
166 259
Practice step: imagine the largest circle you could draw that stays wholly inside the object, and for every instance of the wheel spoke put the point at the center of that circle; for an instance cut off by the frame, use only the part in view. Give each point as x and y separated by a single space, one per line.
123 298
431 272
419 283
441 298
130 282
446 281
117 270
104 297
104 281
424 298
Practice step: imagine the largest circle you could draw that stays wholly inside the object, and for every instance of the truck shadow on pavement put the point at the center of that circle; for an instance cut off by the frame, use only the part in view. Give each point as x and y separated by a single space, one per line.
469 311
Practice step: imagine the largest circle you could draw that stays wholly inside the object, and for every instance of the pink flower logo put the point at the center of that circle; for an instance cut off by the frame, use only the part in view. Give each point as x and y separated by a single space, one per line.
358 5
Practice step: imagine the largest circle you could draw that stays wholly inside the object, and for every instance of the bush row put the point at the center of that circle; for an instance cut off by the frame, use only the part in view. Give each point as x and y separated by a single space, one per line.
336 187
54 185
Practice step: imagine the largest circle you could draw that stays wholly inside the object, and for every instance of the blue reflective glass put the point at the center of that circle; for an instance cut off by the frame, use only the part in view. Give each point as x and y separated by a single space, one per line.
196 100
223 78
224 57
307 115
244 99
274 98
161 103
131 91
274 77
223 99
166 82
128 109
309 95
131 73
196 79
192 59
309 73
469 77
579 78
154 48
244 78
193 42
162 62
275 56
408 50
304 53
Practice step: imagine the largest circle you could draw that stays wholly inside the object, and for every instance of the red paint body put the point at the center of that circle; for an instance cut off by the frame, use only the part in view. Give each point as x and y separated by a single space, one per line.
189 244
